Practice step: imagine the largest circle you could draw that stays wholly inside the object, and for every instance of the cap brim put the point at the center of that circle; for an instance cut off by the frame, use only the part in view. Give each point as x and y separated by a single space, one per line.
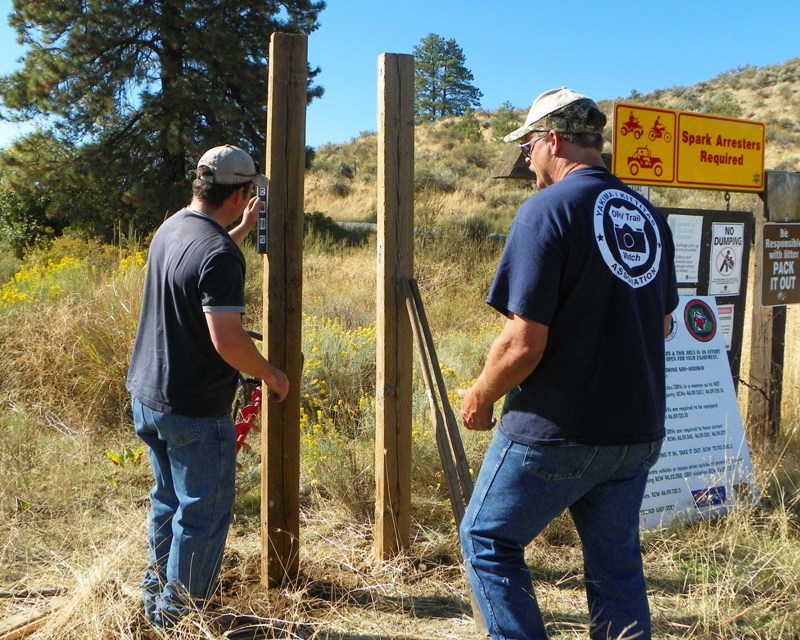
519 133
260 180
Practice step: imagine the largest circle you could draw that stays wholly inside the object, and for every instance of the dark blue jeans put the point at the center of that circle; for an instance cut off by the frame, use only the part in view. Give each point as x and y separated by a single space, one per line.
191 503
519 490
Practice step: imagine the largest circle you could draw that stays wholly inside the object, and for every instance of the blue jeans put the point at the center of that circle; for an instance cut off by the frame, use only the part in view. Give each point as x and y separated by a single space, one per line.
519 490
191 503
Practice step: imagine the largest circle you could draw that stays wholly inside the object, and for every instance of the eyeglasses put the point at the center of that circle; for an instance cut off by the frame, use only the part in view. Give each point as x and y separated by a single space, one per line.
527 147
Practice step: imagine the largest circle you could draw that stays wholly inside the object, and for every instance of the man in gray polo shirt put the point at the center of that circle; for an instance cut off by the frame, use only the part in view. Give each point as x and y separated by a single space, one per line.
182 377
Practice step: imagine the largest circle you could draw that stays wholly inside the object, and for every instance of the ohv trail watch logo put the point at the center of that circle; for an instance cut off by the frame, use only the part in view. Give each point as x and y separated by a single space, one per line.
627 236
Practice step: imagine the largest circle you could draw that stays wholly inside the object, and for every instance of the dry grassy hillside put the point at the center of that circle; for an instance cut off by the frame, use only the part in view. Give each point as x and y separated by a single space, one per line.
454 172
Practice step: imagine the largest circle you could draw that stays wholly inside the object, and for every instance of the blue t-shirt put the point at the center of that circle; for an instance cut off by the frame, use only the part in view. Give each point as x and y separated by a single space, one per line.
194 267
593 261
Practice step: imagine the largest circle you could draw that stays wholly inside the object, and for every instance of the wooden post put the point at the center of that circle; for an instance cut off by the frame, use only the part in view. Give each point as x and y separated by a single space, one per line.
283 294
757 393
395 249
783 205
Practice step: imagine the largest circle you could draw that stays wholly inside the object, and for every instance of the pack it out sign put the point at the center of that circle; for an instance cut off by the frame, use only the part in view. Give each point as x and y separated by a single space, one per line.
781 264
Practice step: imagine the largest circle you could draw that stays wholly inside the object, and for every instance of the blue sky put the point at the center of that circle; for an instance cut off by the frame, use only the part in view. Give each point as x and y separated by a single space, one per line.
518 48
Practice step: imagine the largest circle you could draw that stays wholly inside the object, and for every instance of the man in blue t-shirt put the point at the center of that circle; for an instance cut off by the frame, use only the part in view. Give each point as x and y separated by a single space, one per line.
587 285
182 377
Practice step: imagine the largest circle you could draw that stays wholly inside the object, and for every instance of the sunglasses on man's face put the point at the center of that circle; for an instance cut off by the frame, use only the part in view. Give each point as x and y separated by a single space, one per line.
527 147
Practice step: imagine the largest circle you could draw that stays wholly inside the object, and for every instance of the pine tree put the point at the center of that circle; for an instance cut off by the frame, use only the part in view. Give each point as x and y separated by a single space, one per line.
140 89
442 81
468 128
505 120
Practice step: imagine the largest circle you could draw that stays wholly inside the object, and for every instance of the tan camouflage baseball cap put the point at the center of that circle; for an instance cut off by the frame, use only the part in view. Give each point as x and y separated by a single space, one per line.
230 165
561 110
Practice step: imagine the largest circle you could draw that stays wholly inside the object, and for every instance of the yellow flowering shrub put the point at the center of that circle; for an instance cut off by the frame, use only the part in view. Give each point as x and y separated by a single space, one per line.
52 278
137 260
43 281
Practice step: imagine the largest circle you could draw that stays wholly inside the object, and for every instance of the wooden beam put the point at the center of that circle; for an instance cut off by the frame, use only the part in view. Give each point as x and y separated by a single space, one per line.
26 623
283 294
395 258
756 391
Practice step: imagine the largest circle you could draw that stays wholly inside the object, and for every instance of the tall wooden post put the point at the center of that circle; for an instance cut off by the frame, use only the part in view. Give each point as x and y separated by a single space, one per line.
283 287
757 392
395 261
782 197
779 203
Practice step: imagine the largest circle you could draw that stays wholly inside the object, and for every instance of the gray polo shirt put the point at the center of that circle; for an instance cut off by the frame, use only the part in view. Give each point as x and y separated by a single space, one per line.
194 267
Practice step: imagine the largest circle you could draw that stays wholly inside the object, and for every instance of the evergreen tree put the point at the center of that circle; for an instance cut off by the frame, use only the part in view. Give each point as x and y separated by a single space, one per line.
468 128
138 90
505 120
442 82
22 220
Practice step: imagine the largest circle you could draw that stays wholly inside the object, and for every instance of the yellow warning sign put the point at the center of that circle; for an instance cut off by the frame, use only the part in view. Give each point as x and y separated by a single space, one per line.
681 149
720 153
644 144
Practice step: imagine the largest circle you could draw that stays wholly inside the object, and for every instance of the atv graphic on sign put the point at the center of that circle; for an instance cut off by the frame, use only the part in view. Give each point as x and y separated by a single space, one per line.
631 125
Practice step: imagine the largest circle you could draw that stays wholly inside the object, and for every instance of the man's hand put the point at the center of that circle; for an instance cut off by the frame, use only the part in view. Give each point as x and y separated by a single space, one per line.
248 221
278 385
238 349
513 356
474 415
250 213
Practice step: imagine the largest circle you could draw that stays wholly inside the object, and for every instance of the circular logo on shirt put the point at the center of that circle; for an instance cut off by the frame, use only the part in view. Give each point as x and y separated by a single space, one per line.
673 327
627 236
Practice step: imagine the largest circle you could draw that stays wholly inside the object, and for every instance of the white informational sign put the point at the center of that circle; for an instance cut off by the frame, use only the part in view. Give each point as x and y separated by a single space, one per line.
687 234
642 189
725 268
705 466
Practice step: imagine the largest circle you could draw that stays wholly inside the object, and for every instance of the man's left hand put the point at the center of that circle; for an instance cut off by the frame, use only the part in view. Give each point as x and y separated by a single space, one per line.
474 415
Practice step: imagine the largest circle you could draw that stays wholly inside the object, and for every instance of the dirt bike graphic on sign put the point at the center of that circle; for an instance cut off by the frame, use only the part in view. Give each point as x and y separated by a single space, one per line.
658 130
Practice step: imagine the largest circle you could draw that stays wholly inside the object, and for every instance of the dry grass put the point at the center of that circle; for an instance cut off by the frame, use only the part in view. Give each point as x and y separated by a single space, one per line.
73 521
732 577
64 361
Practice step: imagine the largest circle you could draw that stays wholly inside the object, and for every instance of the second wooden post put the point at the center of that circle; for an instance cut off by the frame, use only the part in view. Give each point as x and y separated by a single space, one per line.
395 256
